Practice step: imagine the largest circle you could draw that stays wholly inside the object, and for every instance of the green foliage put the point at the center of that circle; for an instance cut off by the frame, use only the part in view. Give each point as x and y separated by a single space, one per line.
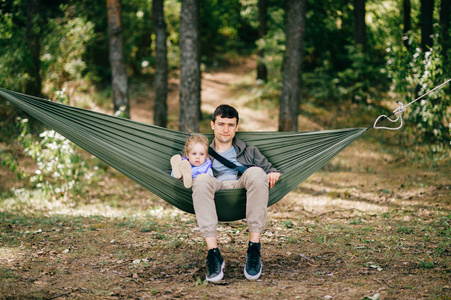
288 223
13 60
10 161
362 81
356 221
172 10
61 169
137 32
333 67
426 264
406 230
7 120
330 31
414 73
121 112
65 47
6 24
273 45
384 21
357 82
225 27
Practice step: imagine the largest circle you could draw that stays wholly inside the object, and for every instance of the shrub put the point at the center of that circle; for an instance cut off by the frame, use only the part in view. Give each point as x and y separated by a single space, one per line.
60 167
414 73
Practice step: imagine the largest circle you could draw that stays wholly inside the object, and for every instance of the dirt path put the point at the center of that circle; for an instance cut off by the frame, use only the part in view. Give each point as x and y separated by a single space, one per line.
218 87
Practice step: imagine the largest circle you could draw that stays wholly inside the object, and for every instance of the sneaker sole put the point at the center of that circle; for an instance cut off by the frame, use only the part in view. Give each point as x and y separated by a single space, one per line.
253 277
175 164
185 170
219 276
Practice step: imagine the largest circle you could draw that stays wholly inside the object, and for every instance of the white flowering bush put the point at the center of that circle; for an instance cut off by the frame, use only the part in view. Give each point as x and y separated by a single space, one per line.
60 168
413 74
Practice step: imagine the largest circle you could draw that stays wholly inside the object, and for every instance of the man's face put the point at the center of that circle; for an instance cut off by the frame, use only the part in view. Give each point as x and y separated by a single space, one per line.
224 129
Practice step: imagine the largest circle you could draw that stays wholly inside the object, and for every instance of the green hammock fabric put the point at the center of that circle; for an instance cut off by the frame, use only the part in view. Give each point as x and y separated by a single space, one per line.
142 151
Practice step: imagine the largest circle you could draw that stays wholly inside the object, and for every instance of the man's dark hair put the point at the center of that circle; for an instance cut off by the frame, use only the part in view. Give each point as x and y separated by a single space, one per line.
225 111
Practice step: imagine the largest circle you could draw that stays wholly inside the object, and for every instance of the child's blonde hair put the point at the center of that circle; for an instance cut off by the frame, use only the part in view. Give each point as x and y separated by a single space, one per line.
193 140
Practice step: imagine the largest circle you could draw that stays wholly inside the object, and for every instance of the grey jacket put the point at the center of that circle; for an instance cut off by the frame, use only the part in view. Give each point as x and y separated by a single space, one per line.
249 156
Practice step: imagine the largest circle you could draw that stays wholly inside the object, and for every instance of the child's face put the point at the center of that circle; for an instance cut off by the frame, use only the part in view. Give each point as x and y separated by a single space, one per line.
197 155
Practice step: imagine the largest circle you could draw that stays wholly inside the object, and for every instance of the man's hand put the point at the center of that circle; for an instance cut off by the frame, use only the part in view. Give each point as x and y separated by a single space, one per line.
273 177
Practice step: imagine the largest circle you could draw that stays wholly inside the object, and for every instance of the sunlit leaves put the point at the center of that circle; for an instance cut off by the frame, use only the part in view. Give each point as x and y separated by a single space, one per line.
64 50
414 73
6 25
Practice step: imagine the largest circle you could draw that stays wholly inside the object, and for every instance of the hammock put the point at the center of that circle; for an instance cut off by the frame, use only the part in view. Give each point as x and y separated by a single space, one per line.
142 151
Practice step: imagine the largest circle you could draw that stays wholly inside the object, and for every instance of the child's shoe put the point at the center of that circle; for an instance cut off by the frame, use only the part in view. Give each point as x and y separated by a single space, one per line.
176 160
187 175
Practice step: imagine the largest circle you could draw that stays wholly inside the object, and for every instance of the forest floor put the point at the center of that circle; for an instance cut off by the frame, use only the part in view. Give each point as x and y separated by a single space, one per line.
375 223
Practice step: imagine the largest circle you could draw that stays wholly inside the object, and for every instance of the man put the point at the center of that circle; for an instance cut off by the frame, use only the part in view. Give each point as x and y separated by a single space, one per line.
256 178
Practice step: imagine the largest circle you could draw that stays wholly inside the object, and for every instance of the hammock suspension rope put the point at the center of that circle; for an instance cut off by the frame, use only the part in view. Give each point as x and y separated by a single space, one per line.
400 109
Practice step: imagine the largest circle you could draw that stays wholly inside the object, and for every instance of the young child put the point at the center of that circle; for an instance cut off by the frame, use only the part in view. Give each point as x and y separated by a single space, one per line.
194 162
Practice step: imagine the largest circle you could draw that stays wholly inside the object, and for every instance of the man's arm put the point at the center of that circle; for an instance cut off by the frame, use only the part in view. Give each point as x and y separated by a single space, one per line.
261 161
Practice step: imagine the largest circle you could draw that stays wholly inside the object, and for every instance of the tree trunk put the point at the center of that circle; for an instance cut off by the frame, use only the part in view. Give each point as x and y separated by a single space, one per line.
160 108
262 71
445 13
359 23
426 20
407 20
189 66
33 85
291 89
117 61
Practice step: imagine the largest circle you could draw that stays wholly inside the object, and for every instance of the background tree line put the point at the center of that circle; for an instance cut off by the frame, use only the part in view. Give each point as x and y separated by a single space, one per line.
358 50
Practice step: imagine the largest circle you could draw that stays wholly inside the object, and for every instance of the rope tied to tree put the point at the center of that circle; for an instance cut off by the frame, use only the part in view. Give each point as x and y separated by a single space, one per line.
400 109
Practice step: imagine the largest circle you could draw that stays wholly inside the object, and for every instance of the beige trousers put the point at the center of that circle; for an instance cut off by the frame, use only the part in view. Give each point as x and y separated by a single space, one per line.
254 180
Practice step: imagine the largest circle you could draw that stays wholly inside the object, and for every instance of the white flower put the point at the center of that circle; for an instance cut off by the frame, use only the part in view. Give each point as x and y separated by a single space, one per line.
145 63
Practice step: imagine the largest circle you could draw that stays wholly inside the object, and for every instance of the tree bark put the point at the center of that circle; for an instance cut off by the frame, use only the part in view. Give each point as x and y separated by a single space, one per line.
160 108
189 66
117 61
445 13
426 21
359 23
33 85
262 71
407 20
291 89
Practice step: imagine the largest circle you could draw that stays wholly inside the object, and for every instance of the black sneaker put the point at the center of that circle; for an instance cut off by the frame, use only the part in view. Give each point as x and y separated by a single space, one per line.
215 265
253 267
